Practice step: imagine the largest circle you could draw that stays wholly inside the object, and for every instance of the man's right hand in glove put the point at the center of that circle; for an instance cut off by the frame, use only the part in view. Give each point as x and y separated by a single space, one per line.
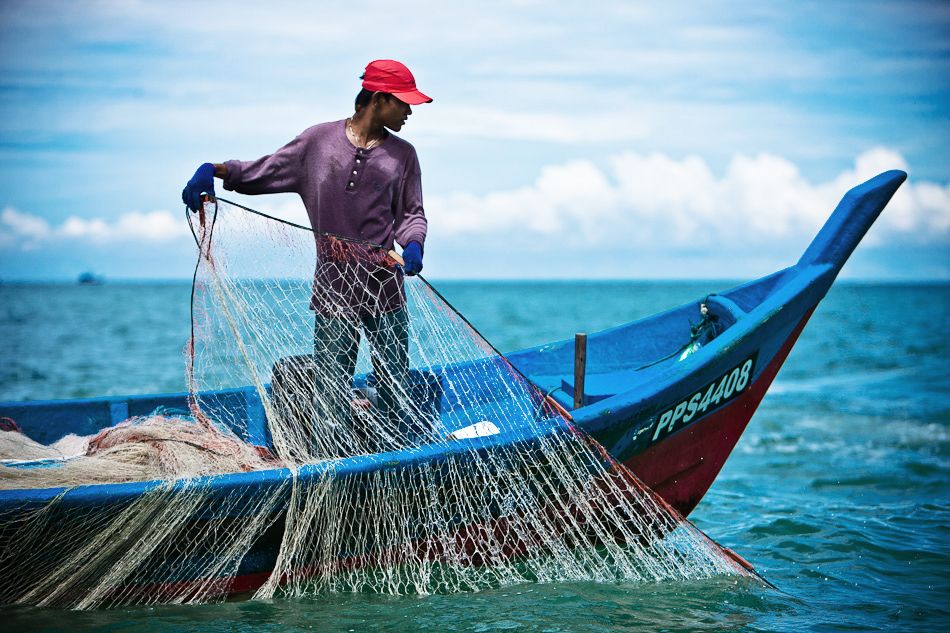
201 183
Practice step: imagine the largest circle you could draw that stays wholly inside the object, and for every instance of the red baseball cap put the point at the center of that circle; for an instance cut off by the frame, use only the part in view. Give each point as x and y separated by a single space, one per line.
388 75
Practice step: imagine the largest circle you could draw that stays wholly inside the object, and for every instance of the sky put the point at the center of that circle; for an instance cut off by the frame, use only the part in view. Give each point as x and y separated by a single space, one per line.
620 140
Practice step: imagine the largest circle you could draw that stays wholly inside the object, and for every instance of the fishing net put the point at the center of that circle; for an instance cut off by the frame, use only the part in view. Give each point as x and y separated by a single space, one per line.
348 431
139 449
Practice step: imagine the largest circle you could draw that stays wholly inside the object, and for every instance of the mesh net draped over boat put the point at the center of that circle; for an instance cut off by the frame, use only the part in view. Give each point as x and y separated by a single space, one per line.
349 431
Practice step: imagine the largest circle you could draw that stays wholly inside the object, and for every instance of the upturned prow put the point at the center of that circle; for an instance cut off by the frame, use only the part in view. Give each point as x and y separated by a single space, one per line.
852 218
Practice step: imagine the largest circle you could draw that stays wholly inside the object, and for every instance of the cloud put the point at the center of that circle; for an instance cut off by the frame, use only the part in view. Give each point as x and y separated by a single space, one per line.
565 198
24 224
28 232
760 208
156 226
21 229
653 202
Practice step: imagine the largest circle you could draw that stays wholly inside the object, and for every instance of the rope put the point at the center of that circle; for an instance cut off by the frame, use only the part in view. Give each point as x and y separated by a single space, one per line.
301 226
545 398
194 283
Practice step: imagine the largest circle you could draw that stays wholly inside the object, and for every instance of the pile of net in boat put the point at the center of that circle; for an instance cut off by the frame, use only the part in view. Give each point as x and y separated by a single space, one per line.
387 447
139 449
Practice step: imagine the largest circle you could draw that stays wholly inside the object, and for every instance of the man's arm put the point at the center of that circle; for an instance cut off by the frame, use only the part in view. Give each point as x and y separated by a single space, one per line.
410 224
280 172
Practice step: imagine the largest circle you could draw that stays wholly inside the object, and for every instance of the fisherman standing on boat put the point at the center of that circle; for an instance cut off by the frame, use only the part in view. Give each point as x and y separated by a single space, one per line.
363 185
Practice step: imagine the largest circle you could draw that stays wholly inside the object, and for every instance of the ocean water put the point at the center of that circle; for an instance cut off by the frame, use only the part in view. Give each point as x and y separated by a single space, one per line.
838 492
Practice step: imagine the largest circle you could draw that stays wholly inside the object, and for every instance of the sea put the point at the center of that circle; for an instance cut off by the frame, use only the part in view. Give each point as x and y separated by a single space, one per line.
838 492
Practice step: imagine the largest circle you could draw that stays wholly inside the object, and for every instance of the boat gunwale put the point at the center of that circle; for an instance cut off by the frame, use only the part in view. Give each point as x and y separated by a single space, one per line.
600 415
340 467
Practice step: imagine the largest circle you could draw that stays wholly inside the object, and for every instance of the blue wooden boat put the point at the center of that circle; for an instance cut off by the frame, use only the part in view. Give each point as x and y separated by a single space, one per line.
664 397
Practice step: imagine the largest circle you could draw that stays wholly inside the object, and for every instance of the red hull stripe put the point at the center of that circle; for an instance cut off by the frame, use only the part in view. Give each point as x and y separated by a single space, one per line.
682 467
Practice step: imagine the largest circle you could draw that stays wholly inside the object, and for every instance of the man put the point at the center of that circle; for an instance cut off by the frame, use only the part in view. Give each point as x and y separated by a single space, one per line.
361 183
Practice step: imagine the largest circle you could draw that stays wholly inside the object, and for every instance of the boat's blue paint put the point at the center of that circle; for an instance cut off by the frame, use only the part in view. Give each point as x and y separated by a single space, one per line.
49 420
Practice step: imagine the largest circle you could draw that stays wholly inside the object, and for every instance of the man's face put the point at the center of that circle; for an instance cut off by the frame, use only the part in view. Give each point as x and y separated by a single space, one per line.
393 113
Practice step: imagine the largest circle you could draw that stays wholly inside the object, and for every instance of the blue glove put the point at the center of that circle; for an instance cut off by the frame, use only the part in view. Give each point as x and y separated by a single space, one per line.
201 182
412 255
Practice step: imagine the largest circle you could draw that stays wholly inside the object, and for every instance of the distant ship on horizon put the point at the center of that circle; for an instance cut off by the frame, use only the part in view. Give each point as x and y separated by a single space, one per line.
90 279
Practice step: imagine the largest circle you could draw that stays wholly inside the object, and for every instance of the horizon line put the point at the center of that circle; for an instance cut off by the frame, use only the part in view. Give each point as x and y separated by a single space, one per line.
104 280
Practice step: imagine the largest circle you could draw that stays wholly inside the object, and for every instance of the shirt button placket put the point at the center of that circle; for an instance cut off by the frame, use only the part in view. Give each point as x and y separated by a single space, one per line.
355 172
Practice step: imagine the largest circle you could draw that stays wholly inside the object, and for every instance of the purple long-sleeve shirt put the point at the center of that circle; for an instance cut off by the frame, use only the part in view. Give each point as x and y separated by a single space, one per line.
373 194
